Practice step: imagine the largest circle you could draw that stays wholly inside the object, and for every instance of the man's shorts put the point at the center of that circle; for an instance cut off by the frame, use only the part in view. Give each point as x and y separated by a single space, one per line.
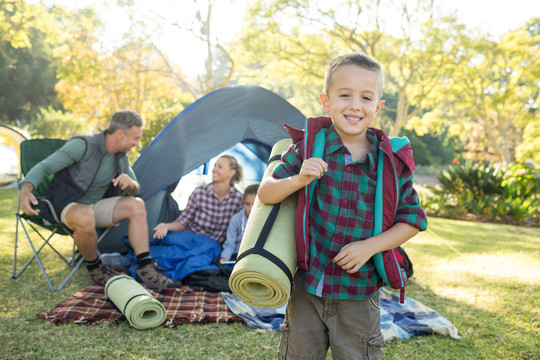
352 329
103 212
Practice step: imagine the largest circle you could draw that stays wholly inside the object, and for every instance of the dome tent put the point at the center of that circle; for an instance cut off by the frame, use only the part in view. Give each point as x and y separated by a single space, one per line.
244 121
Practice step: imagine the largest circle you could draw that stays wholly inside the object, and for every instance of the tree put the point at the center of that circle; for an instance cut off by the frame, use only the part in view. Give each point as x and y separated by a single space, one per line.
94 84
197 23
27 82
495 89
414 63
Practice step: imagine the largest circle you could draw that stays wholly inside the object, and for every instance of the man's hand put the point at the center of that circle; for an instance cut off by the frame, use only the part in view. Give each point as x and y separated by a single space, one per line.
126 183
353 256
28 199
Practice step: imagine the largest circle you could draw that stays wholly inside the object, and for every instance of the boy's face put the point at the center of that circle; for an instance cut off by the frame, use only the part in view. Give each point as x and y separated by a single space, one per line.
352 101
248 203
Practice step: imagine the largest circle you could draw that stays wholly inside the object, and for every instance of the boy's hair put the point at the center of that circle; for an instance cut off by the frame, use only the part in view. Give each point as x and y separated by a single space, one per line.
235 166
124 120
251 190
358 59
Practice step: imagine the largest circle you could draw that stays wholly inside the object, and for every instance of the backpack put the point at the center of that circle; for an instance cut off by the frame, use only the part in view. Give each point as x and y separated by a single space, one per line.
213 280
404 262
386 263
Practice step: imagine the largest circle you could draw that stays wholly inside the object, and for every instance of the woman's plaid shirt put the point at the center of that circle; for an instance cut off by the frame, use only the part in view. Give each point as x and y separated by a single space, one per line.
342 212
206 215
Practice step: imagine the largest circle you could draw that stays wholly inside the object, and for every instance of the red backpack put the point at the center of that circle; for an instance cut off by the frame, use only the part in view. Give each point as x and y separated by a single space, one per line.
387 263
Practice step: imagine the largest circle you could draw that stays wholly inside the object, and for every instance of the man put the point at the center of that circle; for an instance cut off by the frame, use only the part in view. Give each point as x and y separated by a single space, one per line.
92 188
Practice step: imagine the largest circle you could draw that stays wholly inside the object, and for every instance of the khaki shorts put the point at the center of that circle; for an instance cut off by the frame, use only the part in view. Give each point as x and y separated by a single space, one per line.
350 328
103 212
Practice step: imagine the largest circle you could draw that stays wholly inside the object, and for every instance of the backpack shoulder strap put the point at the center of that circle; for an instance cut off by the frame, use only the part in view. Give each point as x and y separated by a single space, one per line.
318 152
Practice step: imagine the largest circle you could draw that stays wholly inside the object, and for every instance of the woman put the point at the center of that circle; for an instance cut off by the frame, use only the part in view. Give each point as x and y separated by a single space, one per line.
210 207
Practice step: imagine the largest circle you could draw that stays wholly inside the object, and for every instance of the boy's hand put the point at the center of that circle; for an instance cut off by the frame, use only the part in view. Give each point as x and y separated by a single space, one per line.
353 256
311 169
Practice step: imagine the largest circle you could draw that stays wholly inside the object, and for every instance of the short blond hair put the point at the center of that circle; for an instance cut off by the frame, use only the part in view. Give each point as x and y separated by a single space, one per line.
358 59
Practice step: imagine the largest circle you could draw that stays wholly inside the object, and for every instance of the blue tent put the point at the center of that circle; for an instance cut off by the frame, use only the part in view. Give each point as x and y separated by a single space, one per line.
244 121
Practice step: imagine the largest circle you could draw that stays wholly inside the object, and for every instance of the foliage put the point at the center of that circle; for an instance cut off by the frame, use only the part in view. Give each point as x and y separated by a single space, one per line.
53 123
495 311
495 90
27 83
433 148
294 57
483 189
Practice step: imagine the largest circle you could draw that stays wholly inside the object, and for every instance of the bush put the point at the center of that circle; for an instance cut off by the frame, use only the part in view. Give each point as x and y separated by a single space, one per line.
487 190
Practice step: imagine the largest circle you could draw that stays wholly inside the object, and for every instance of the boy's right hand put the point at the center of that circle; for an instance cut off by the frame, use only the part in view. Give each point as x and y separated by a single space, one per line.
312 168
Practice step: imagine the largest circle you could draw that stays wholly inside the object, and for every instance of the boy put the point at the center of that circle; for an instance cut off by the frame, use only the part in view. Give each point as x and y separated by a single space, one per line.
335 300
238 225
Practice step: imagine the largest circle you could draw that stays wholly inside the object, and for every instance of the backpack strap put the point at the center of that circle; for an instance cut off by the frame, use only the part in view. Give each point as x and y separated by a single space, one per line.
378 259
318 152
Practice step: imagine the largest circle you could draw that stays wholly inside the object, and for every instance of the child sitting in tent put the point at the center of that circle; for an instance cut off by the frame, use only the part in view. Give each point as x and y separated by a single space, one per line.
210 207
238 225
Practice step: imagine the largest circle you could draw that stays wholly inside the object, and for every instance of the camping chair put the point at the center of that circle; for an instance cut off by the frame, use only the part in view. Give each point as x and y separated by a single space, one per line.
32 152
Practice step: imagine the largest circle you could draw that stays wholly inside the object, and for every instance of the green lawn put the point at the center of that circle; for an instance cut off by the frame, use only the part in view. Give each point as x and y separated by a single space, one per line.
484 278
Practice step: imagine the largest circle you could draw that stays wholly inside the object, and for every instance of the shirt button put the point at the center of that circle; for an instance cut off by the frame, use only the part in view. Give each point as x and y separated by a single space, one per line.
339 235
348 168
345 202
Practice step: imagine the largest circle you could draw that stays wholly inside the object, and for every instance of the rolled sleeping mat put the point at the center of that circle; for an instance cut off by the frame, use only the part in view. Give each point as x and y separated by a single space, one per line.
141 309
266 262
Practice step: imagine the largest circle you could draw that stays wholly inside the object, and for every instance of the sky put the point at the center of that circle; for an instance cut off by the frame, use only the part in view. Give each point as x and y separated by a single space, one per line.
491 16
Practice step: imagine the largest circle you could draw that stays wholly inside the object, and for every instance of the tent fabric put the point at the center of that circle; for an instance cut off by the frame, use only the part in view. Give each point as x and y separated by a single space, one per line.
217 122
10 140
209 126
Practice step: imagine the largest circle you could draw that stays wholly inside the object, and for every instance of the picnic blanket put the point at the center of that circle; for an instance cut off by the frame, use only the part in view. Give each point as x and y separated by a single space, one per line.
91 306
398 321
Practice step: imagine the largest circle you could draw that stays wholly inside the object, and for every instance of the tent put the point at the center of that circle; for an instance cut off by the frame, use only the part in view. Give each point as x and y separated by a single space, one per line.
10 139
244 121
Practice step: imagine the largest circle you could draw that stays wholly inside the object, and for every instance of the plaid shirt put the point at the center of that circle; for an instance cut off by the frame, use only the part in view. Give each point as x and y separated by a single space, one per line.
205 215
342 212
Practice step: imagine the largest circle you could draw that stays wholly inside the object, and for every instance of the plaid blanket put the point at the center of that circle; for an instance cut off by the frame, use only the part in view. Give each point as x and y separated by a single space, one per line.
194 305
398 321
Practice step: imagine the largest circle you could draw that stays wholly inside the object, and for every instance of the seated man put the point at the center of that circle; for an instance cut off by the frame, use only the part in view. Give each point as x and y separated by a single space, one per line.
92 188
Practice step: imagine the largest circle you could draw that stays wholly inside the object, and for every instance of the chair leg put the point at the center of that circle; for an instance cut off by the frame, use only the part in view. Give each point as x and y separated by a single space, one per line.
75 261
35 256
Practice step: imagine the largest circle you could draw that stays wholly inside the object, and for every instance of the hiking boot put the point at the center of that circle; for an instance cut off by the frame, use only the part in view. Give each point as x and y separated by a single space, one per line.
102 274
152 277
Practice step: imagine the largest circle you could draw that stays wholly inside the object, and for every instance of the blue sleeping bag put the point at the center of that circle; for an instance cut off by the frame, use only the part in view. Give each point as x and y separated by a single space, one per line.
180 253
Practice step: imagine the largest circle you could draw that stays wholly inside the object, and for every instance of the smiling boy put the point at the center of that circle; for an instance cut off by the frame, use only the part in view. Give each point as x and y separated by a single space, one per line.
335 299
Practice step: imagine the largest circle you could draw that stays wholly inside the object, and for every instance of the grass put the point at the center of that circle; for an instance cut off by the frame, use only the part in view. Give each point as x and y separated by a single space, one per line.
485 278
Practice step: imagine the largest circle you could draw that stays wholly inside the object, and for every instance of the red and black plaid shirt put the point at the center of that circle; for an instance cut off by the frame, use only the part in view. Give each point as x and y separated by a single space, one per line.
342 212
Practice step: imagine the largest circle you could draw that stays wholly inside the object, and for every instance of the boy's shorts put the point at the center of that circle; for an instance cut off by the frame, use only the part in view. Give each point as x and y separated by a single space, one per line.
103 212
352 329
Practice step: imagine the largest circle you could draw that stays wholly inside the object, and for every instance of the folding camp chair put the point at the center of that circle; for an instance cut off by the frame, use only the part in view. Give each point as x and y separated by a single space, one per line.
32 152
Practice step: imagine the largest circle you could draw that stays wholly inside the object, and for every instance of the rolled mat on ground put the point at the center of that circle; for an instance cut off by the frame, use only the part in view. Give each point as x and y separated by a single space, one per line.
91 306
266 263
140 308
